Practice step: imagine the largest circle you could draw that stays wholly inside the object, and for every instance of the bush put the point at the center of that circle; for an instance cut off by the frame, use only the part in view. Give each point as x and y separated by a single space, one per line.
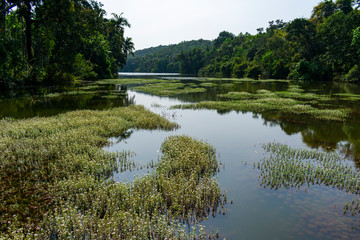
254 72
353 75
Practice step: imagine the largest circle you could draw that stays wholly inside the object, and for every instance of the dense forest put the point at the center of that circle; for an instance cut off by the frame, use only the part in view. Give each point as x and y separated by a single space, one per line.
50 42
168 59
324 47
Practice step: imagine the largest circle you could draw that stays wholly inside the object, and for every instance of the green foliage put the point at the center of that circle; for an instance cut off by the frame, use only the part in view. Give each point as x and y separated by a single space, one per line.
191 61
55 180
353 75
48 42
168 59
170 88
286 167
83 69
322 48
223 36
292 103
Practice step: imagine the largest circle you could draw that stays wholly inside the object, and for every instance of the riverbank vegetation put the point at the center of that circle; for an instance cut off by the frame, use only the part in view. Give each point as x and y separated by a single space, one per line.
54 42
324 47
55 179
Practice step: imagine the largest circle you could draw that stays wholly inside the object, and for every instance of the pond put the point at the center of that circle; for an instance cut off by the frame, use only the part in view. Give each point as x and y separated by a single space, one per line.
255 212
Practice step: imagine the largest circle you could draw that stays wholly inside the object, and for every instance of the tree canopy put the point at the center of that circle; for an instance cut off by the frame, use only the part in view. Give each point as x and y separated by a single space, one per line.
47 42
168 59
324 47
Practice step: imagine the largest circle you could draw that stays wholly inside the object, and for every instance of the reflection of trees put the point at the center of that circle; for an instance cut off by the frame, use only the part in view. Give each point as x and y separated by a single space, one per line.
124 136
320 134
93 99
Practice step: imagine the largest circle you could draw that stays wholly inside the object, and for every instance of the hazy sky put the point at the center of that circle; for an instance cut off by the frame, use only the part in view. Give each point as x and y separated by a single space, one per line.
163 22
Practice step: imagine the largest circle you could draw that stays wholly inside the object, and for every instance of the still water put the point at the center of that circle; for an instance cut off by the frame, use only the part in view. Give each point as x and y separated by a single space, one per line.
255 213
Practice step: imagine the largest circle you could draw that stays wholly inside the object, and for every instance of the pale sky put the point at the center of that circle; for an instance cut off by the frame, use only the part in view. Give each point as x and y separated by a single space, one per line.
163 22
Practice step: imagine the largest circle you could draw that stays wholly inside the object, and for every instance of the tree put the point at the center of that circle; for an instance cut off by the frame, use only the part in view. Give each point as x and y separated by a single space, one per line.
302 34
56 38
345 5
191 61
222 37
323 10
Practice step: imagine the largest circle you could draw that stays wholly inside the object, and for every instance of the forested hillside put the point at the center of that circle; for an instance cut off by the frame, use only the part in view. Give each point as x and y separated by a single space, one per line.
47 42
165 59
324 47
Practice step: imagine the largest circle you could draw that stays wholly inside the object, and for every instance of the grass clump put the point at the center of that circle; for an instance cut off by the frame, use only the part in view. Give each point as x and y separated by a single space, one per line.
207 84
130 81
170 89
286 167
287 104
55 180
236 96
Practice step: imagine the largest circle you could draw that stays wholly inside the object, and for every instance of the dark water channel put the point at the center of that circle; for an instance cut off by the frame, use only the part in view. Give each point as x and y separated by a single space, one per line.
256 213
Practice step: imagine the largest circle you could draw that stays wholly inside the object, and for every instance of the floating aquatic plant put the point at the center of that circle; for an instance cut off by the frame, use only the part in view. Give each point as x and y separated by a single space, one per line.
290 103
170 88
55 180
286 167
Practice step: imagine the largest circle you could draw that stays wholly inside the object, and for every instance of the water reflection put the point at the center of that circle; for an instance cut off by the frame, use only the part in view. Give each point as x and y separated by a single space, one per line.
256 213
328 136
40 103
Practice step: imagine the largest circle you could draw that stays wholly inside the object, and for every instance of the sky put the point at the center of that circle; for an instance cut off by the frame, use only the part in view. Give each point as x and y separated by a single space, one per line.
164 22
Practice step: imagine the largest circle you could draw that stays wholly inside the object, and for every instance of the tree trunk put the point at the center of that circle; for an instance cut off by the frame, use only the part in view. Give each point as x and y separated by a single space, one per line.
28 33
2 18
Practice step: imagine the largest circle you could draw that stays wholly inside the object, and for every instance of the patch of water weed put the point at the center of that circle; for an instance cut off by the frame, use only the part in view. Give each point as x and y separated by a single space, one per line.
38 152
55 180
236 96
244 80
130 81
286 167
114 95
89 87
170 89
293 102
207 84
348 96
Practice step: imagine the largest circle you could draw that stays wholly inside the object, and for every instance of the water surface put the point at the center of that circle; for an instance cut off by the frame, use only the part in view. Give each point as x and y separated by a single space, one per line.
314 212
256 213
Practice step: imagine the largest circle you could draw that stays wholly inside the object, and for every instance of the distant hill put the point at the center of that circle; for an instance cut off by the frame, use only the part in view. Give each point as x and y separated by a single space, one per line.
162 58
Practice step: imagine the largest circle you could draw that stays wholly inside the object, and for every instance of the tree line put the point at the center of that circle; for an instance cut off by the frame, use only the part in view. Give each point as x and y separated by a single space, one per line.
51 42
163 59
324 47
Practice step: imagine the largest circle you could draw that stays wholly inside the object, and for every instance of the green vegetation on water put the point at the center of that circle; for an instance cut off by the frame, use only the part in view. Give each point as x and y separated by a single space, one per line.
286 167
294 102
170 89
55 179
130 81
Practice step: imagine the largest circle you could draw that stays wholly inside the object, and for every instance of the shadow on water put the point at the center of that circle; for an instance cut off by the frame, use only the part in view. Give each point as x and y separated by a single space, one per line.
40 102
